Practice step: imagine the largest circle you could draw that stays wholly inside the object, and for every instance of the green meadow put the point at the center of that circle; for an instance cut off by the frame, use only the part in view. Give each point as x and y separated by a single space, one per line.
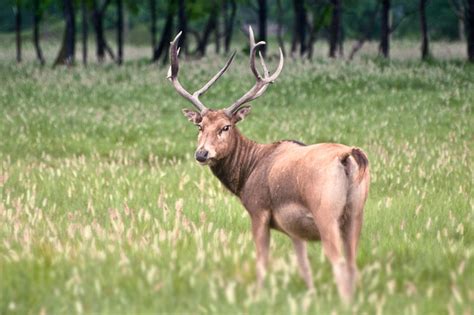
103 209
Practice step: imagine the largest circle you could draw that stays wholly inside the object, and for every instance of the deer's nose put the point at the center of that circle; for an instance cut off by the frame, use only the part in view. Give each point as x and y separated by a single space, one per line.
202 155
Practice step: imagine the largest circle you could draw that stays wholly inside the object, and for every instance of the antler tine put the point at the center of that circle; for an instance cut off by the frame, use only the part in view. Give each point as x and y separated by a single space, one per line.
203 90
168 75
262 83
266 73
173 77
277 72
253 50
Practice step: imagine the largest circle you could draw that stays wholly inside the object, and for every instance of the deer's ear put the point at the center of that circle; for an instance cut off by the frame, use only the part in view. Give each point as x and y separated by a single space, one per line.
241 113
192 116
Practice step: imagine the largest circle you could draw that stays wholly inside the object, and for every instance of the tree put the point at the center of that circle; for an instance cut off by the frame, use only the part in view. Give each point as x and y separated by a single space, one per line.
464 9
17 11
67 51
119 32
85 31
98 22
37 14
70 30
300 25
367 31
262 23
217 30
281 42
229 21
425 50
469 26
335 28
152 4
208 29
321 16
166 35
385 29
182 24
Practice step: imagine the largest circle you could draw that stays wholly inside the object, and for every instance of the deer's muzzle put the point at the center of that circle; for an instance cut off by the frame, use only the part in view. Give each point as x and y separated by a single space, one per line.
202 155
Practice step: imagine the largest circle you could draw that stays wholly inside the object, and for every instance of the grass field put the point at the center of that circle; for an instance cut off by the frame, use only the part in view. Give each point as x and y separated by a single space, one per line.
104 210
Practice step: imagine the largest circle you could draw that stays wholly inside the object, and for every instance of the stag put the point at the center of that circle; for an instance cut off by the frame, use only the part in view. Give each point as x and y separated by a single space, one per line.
308 192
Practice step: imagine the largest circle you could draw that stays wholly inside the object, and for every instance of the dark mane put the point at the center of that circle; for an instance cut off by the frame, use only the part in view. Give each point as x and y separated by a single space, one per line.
294 141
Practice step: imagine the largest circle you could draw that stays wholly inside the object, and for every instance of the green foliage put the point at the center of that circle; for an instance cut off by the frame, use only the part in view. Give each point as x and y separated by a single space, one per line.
199 9
134 6
442 22
322 13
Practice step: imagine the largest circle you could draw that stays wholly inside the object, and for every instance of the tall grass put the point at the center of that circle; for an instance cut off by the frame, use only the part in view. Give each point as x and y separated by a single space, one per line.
103 209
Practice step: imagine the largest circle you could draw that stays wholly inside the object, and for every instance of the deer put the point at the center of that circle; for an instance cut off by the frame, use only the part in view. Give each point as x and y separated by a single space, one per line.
308 192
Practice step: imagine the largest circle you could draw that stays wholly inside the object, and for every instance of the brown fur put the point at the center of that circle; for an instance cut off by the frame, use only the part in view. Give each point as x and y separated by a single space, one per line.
313 192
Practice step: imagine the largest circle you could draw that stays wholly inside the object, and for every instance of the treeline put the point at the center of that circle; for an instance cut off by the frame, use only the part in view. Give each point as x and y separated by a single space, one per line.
296 24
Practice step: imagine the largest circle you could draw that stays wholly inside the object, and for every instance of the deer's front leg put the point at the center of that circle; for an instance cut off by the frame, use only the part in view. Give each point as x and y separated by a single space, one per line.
261 237
303 262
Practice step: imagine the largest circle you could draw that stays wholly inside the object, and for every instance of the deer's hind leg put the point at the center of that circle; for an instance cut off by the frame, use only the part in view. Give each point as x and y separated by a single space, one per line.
328 207
333 247
352 225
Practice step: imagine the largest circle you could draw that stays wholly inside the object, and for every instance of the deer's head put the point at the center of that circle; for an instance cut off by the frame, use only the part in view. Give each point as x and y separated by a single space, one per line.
217 132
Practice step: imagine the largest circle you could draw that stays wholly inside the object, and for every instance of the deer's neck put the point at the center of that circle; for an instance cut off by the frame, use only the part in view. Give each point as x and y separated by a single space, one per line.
234 170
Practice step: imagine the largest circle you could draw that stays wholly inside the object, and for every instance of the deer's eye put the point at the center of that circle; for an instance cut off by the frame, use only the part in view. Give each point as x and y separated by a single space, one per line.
226 128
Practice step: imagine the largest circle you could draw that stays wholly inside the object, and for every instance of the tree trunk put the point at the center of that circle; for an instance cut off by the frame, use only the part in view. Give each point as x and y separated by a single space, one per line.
210 26
461 32
165 40
98 19
300 25
84 31
67 51
120 32
385 29
262 23
367 33
425 50
469 26
126 23
295 35
217 38
110 52
312 37
153 24
18 30
70 31
229 23
217 30
61 57
340 43
99 32
281 43
36 35
335 28
182 25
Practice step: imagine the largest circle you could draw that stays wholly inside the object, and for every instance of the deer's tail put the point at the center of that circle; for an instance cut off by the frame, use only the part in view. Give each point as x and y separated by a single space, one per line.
360 158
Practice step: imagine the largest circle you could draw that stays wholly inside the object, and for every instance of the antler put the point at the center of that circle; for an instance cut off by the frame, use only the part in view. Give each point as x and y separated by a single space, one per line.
173 77
262 82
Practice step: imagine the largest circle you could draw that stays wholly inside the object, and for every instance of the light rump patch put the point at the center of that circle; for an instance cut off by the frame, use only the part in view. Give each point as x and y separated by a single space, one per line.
308 192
